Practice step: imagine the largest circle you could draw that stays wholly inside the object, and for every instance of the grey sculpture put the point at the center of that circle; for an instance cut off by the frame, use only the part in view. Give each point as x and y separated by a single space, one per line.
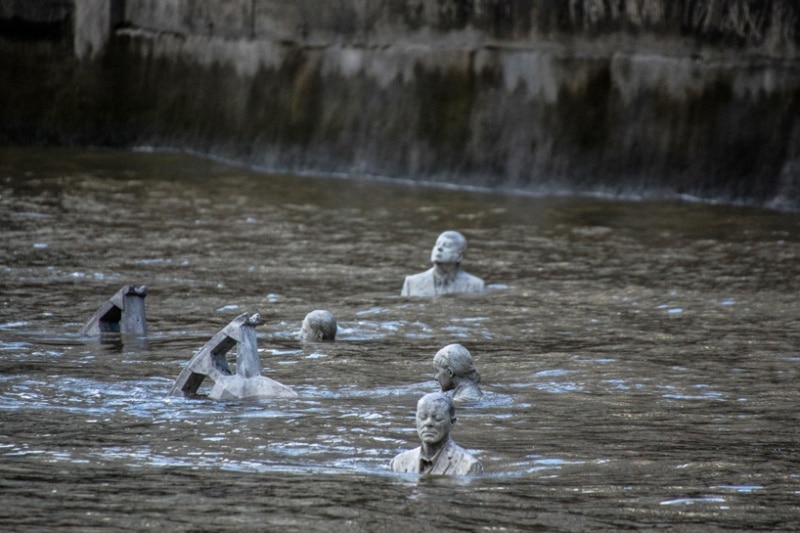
456 374
318 325
122 313
446 276
438 454
212 362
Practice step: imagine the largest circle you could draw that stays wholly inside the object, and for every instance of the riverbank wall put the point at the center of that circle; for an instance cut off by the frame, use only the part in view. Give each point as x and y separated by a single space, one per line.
620 97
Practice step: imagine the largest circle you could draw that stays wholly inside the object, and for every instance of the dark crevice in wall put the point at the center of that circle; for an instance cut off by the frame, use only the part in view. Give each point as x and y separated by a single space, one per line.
26 31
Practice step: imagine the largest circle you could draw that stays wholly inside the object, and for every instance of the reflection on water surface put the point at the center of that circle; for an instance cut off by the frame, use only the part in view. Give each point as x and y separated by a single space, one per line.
639 359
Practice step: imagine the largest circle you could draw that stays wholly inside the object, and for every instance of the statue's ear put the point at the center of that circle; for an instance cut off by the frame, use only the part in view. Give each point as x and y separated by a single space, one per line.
451 372
318 335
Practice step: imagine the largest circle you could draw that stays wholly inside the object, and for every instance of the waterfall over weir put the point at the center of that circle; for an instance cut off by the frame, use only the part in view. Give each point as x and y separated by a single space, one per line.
649 98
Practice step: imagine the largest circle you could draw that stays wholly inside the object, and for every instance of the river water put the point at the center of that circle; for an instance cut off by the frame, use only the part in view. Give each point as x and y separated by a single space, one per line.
640 359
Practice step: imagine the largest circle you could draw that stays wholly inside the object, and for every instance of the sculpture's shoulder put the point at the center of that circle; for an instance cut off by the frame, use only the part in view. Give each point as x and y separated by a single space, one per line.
466 282
470 393
406 462
419 284
461 462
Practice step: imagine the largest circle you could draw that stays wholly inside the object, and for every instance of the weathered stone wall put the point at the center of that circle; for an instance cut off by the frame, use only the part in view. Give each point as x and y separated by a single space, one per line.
769 27
40 11
695 97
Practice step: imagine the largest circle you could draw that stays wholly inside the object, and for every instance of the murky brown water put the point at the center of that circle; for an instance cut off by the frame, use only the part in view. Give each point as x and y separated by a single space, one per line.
640 359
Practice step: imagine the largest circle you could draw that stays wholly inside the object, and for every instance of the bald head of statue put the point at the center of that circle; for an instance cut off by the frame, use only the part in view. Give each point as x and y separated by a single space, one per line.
318 325
449 248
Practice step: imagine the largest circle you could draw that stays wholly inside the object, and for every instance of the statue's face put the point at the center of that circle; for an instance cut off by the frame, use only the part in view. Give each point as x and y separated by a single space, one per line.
433 421
444 376
447 250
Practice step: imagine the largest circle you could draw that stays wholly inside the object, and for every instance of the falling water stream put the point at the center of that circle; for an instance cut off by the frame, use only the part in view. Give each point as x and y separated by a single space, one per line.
639 359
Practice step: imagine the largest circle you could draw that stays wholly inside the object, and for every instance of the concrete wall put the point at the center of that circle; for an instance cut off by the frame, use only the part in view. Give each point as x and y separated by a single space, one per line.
35 11
769 27
630 96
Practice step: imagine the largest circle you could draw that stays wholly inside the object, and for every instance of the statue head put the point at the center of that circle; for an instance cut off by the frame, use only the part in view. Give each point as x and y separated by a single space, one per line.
452 364
449 248
436 415
318 325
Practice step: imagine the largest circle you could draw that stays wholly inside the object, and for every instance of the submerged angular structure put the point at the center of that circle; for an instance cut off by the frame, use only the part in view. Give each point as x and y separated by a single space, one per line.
212 362
122 313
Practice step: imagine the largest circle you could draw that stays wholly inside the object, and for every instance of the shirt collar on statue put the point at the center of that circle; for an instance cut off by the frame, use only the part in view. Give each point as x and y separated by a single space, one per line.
426 463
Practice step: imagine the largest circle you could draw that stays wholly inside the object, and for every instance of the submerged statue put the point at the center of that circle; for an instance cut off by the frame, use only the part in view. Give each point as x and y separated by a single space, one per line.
211 362
446 276
438 454
456 374
318 325
122 313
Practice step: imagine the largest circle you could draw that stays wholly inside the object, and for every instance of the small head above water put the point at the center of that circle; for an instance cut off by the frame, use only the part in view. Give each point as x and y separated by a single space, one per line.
452 365
318 325
449 248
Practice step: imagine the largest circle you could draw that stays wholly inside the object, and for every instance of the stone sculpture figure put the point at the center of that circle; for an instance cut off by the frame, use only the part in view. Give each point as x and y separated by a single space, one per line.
446 276
122 313
318 325
456 373
438 454
211 362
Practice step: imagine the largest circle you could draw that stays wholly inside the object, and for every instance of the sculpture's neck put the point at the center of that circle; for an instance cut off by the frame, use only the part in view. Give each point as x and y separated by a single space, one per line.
431 451
445 273
460 385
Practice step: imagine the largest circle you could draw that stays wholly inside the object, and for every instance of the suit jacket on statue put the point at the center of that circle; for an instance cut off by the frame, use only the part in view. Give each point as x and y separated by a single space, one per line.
452 459
466 393
424 284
